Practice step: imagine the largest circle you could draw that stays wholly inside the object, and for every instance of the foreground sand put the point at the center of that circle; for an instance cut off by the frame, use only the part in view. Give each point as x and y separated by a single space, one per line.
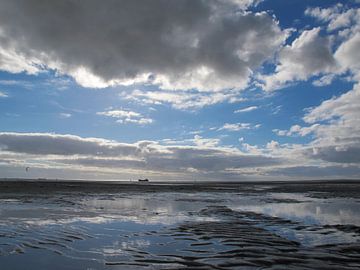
82 225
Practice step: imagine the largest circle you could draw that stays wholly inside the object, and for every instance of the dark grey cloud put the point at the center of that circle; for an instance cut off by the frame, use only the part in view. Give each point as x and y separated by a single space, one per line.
46 151
144 155
217 162
51 144
330 171
104 163
338 154
182 44
209 159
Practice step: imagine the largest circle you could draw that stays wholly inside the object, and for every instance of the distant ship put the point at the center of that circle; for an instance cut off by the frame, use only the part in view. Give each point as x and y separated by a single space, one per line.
143 180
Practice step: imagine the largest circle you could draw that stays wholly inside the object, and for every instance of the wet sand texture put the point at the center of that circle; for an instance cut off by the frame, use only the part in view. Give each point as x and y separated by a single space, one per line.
212 236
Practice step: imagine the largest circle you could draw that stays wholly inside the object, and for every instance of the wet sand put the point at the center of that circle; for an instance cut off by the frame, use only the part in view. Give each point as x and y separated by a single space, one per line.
93 225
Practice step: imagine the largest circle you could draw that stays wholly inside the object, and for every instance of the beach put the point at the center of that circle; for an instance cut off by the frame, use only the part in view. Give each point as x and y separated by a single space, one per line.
114 225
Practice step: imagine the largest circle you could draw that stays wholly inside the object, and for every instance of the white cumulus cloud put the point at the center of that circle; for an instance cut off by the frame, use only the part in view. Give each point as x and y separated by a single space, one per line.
310 54
247 109
126 116
238 126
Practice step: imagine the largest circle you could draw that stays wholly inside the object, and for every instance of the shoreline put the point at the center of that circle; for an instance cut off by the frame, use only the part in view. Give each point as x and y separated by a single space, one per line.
337 188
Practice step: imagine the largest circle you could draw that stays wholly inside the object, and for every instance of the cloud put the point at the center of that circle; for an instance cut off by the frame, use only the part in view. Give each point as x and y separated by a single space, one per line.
314 53
244 4
15 62
338 153
346 106
54 144
183 100
3 95
308 55
275 110
205 142
248 109
124 116
349 57
346 21
65 115
272 145
204 159
71 152
335 126
238 126
196 141
311 172
337 16
207 45
297 130
324 80
338 128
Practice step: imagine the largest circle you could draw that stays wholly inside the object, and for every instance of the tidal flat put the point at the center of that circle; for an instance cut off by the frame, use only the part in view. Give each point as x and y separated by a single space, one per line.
264 225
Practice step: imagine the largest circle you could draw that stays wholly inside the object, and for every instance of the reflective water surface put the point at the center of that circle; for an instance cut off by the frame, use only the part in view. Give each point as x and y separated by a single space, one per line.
138 227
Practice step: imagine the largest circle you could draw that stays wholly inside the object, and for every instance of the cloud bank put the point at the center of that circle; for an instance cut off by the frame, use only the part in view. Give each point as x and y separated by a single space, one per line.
204 157
200 158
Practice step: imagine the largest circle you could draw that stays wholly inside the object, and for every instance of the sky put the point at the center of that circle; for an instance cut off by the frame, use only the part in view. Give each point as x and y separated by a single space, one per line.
221 90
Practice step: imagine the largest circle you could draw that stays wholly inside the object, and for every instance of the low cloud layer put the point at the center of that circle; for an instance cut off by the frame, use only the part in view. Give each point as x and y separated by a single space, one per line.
202 158
76 153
